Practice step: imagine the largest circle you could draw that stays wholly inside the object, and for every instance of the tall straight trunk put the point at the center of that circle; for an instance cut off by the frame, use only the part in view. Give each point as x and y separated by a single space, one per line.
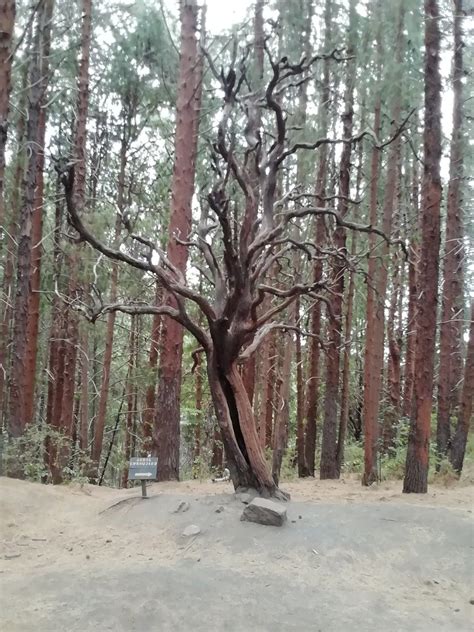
394 337
99 426
282 417
450 339
84 408
37 229
378 276
7 22
198 407
458 446
18 374
149 412
416 473
345 399
328 467
166 431
35 280
409 377
300 396
267 386
6 302
130 398
306 458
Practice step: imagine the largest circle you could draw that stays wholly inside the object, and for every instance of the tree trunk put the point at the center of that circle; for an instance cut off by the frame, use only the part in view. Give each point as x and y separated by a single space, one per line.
416 473
6 303
306 462
450 340
149 412
84 410
346 363
328 467
166 432
244 455
38 83
282 417
378 276
35 279
7 23
130 397
458 447
411 332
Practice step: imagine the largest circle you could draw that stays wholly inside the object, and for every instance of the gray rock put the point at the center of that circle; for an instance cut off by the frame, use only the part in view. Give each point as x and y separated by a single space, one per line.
264 511
220 509
182 507
191 530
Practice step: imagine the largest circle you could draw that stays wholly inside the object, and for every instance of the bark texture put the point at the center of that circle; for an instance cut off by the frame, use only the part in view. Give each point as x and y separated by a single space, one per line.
166 432
416 473
450 340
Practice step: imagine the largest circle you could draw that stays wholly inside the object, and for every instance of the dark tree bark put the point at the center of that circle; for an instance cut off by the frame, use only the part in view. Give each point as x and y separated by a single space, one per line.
166 431
458 447
450 340
6 303
416 473
38 82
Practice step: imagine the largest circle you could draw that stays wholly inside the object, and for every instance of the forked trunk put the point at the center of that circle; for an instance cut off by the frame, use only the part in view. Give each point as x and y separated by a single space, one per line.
244 455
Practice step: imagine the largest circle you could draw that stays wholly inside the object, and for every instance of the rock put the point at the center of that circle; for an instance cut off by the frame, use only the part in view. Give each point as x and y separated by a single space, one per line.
244 497
264 511
191 530
219 509
182 507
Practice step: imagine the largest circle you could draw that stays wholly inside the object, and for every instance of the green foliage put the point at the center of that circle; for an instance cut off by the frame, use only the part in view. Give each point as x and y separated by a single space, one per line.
26 455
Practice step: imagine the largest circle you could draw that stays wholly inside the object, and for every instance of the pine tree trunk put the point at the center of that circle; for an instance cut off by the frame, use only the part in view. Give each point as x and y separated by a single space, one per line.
378 276
166 432
35 279
130 398
149 412
450 354
18 374
6 303
282 417
7 22
458 447
328 467
416 473
346 364
306 462
411 332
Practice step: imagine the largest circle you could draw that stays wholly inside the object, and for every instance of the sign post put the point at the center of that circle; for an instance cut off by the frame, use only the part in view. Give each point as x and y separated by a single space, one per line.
143 469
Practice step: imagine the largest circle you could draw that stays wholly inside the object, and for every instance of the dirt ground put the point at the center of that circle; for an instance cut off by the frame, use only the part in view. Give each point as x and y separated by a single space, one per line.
86 559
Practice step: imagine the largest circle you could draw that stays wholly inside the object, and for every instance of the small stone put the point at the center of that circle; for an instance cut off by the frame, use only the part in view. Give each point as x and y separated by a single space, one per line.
191 530
182 507
471 601
88 557
12 556
300 517
108 541
264 511
293 521
219 509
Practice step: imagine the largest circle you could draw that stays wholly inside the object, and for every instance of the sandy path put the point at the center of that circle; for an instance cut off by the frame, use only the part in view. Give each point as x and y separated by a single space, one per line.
368 558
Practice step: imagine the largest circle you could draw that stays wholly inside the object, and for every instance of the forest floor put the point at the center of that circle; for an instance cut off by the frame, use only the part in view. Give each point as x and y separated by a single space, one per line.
84 559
